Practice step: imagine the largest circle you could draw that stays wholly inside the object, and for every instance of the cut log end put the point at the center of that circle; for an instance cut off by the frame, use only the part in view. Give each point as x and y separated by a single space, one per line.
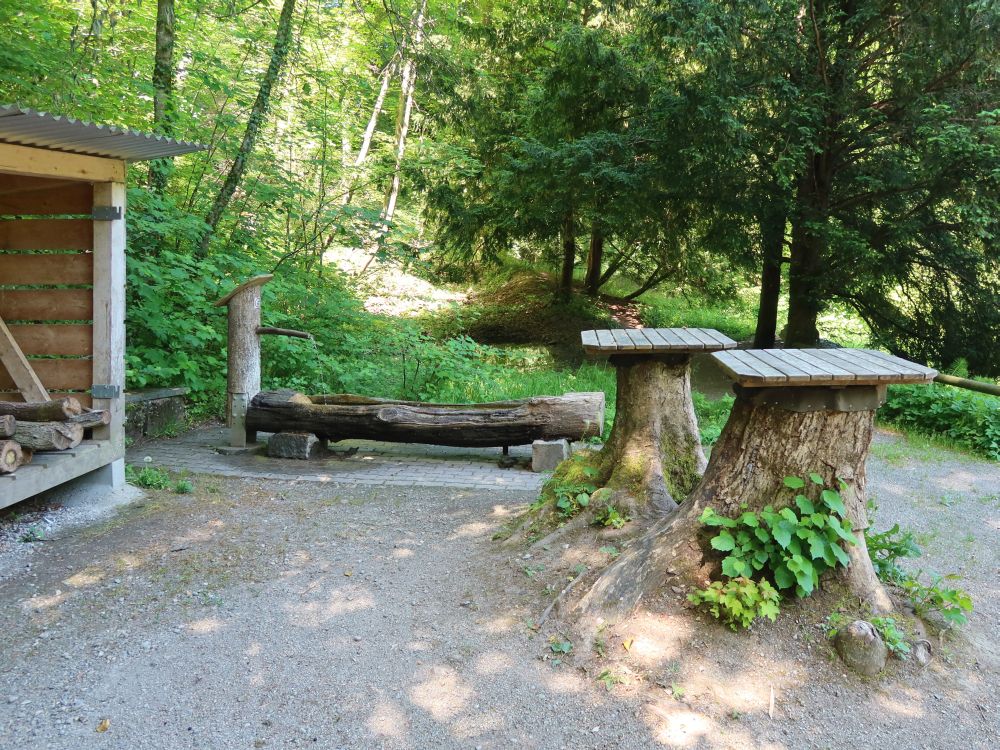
55 410
11 456
48 436
7 425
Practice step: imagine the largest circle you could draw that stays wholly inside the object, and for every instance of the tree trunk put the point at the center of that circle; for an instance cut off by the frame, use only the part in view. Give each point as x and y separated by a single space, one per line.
568 236
760 445
282 42
7 425
48 436
163 87
407 87
805 273
366 140
772 241
55 410
653 457
341 417
595 259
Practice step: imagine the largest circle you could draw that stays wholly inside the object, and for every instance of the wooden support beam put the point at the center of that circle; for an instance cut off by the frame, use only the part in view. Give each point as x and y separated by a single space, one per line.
41 162
109 313
17 365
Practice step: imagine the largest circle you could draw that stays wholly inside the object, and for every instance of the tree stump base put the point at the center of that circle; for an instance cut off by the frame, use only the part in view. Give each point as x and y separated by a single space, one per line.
764 441
653 457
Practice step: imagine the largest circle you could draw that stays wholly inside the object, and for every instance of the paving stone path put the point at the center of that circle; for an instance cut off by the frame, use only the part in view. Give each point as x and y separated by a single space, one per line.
375 463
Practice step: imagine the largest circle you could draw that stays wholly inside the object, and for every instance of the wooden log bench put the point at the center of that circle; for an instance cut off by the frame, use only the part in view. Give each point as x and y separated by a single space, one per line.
653 457
798 412
573 416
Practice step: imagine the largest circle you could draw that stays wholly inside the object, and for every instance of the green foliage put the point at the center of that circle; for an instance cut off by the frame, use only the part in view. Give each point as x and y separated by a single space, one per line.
730 314
967 418
560 645
886 548
895 639
183 487
609 679
609 515
952 604
712 415
792 546
147 477
32 534
569 489
739 601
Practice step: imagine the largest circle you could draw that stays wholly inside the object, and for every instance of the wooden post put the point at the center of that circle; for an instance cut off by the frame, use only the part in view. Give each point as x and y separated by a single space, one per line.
109 323
243 360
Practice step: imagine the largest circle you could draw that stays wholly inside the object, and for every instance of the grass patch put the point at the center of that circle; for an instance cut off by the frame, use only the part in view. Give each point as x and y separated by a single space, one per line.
735 318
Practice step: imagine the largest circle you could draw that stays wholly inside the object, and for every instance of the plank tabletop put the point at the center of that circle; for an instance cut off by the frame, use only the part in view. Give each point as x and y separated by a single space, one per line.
756 368
655 341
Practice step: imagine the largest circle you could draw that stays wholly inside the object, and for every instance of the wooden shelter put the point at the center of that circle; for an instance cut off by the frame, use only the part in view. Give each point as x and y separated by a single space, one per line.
62 280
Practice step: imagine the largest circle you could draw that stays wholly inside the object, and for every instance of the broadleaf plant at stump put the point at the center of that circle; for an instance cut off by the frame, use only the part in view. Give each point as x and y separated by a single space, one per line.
762 443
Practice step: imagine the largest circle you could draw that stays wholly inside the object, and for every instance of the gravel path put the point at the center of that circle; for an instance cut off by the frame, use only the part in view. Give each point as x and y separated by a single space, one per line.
275 614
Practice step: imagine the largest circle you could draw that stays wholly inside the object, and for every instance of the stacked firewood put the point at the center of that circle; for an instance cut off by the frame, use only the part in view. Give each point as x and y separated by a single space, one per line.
57 425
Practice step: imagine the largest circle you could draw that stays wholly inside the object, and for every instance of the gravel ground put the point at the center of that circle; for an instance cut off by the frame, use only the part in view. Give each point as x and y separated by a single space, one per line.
256 614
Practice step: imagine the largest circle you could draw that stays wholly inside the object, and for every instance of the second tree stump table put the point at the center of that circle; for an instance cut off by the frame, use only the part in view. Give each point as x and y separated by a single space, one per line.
653 457
798 412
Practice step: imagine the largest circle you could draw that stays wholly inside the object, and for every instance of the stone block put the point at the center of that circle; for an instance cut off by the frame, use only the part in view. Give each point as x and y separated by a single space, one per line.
301 445
546 455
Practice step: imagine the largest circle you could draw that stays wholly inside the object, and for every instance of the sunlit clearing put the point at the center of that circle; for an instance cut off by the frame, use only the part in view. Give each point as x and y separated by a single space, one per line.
443 694
339 602
40 601
471 530
388 720
493 662
678 727
205 626
84 578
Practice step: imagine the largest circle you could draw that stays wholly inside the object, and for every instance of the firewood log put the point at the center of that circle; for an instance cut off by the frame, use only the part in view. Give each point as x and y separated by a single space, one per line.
48 436
55 410
11 456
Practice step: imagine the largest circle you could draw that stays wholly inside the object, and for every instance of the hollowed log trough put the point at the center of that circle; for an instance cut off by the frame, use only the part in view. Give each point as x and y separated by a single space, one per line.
574 416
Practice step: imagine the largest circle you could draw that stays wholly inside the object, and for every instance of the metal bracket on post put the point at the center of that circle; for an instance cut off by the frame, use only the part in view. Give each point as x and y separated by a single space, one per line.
106 391
238 420
106 213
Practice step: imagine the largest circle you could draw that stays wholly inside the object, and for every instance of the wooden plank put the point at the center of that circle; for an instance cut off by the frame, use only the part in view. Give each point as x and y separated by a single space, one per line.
18 370
639 341
27 196
863 369
46 234
589 339
606 340
109 311
54 375
814 371
765 373
902 369
654 337
835 374
735 368
862 374
928 372
689 339
49 470
785 365
46 304
709 342
622 341
68 340
670 336
721 340
50 268
84 398
39 162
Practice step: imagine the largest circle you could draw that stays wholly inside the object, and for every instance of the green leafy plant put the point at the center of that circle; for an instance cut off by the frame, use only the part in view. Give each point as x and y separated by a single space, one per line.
886 548
609 679
33 534
559 645
610 550
952 604
570 488
147 477
792 546
609 515
739 601
894 638
183 486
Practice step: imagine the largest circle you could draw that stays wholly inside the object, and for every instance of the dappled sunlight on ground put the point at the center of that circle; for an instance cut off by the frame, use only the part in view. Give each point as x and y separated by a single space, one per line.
388 720
441 692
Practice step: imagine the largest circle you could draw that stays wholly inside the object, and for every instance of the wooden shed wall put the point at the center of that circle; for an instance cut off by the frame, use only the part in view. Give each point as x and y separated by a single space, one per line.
46 280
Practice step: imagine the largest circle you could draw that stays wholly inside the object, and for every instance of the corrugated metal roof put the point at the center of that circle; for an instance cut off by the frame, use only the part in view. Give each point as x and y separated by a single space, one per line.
28 127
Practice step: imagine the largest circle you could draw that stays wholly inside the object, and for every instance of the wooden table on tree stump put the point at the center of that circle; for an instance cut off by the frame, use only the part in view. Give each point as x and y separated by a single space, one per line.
798 412
653 457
